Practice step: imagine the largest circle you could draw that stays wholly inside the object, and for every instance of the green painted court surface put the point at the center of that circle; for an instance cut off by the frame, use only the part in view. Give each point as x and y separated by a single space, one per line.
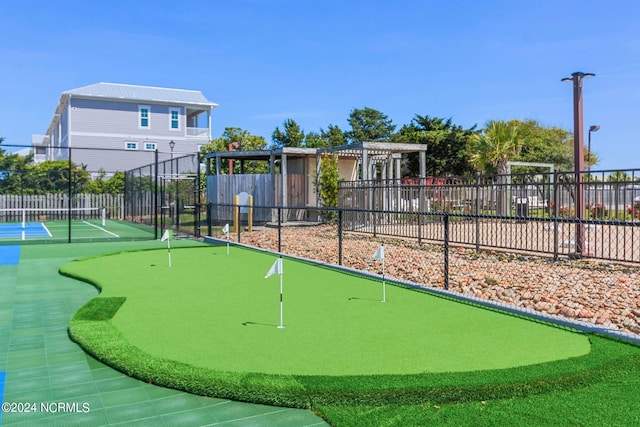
81 230
42 365
217 311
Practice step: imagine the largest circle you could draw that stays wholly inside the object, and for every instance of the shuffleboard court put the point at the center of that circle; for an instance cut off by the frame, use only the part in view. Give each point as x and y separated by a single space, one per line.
217 311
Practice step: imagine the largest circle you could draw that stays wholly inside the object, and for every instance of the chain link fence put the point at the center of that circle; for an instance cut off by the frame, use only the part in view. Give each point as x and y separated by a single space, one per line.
61 200
167 194
51 196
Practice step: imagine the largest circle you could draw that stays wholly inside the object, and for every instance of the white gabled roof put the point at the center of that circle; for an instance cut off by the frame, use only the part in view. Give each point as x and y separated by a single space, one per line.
141 93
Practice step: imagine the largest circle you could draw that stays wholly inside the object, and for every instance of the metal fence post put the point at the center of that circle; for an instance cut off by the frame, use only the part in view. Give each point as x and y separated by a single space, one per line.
196 193
209 224
279 230
237 215
477 211
340 237
155 197
373 206
446 250
419 227
70 195
556 212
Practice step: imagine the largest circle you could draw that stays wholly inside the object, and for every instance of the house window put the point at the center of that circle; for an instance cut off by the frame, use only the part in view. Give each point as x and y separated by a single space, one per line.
130 145
144 113
174 120
150 146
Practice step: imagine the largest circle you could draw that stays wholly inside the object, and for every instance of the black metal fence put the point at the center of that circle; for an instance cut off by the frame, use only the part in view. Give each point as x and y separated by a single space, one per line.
595 216
606 195
166 194
540 230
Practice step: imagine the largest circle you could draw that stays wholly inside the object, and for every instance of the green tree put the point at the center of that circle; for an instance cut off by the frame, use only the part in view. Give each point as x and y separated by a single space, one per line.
97 185
545 145
618 176
52 176
14 172
368 125
332 137
240 140
112 185
115 184
446 146
314 140
290 136
490 151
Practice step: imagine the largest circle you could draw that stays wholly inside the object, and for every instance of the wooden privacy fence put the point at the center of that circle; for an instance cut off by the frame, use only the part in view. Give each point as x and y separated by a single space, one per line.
114 203
265 189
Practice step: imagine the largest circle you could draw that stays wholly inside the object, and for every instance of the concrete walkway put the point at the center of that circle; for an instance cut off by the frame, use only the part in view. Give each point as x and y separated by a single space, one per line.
46 379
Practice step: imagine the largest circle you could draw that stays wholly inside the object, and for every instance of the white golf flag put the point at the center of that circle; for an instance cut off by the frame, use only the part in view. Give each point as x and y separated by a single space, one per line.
166 235
379 253
276 268
225 229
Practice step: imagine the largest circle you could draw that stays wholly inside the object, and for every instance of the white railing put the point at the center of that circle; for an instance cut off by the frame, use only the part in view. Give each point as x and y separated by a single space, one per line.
199 132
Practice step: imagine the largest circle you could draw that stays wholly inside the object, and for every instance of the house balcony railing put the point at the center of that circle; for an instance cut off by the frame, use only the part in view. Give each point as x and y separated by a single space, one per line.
198 132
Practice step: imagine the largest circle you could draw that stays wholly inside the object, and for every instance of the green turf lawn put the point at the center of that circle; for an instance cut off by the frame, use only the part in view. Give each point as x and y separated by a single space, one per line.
598 388
217 311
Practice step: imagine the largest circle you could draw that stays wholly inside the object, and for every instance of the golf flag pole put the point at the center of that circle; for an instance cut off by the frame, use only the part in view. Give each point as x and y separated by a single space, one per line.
380 255
276 268
225 230
167 236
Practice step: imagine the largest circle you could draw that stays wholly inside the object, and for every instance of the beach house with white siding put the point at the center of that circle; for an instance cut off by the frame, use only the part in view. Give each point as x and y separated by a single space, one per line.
117 127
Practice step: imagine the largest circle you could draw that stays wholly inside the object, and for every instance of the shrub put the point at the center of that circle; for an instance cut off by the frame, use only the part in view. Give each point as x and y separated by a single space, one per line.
597 211
634 211
565 212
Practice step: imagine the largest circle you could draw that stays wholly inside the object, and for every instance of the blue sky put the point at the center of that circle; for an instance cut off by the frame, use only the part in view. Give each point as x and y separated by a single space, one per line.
315 61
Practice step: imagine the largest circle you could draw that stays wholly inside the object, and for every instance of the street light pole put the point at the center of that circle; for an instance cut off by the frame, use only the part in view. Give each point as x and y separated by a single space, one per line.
592 128
578 155
172 144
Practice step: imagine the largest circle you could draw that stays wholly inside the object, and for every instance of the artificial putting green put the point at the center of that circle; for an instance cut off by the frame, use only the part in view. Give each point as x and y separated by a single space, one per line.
215 311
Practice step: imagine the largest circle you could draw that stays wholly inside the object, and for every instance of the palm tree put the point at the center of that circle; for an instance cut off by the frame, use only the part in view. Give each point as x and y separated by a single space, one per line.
490 150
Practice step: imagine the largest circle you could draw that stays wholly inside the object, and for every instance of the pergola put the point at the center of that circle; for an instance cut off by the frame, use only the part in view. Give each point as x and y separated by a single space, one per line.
388 154
367 159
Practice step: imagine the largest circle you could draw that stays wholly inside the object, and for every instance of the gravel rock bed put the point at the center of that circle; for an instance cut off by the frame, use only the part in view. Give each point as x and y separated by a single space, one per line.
601 293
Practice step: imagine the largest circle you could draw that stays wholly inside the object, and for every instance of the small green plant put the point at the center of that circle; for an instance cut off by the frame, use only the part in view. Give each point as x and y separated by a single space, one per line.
597 211
634 211
327 184
565 212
